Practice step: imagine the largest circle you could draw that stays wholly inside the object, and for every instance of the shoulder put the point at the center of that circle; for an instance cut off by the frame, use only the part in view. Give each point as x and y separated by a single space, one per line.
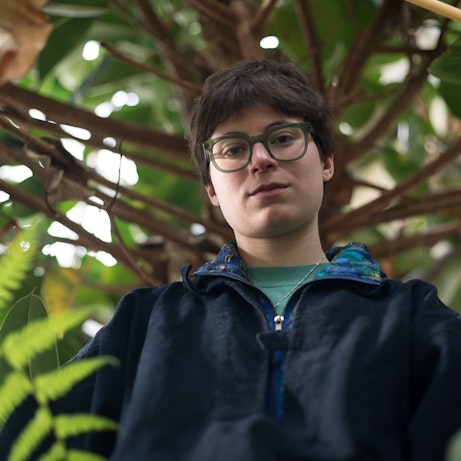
433 322
130 321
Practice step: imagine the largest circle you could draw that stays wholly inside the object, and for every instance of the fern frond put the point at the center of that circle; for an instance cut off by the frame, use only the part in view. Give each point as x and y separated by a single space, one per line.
19 347
57 452
76 455
13 391
76 424
32 436
15 264
55 384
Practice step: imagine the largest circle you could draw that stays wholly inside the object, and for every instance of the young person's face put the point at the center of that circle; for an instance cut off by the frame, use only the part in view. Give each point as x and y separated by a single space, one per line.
269 198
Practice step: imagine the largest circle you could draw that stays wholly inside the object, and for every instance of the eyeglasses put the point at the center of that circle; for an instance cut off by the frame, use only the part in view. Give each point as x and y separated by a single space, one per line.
285 143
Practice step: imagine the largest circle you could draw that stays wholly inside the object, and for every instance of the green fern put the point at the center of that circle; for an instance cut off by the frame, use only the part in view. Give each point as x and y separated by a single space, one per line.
39 427
72 425
14 390
20 344
53 385
58 454
15 264
76 455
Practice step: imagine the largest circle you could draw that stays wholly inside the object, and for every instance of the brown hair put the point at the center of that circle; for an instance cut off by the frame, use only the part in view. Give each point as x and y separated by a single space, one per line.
280 86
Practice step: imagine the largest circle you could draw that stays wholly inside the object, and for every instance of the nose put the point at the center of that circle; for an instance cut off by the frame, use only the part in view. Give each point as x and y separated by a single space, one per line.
261 159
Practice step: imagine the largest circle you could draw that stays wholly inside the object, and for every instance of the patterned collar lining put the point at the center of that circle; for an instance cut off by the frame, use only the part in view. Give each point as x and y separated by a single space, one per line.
352 262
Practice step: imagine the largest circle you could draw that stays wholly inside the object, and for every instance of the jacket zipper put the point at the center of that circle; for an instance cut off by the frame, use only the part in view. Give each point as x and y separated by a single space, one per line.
279 319
278 322
275 387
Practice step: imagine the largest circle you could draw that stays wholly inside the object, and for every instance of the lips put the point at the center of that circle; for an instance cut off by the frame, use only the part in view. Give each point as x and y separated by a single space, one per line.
265 189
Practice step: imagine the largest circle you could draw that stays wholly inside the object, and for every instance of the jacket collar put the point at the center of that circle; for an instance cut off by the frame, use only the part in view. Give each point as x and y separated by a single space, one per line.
351 262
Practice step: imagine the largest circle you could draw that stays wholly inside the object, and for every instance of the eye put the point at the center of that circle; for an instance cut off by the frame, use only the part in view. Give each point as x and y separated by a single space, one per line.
284 136
231 148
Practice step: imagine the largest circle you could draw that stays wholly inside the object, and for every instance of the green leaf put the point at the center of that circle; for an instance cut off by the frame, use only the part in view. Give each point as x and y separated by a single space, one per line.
451 93
14 389
20 347
72 425
454 448
55 384
448 66
64 38
25 310
31 437
67 10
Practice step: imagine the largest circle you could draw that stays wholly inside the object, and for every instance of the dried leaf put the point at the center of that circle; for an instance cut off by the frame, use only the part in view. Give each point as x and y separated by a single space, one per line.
24 30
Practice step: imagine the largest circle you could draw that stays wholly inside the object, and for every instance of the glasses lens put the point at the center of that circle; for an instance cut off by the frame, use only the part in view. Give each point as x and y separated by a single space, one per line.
231 153
287 143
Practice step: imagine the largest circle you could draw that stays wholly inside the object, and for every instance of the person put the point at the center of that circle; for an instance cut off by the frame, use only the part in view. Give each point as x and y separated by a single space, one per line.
274 350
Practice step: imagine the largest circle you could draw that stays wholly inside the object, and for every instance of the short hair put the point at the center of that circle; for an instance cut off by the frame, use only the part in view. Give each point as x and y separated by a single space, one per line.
280 86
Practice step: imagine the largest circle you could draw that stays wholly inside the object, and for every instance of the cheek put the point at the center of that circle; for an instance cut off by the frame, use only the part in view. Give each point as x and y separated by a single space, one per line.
224 188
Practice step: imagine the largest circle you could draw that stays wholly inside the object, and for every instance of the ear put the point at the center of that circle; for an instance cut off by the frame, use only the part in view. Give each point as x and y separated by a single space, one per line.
328 168
212 194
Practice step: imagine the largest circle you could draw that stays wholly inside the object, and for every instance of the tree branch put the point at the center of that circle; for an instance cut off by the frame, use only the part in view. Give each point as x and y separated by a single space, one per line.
361 48
145 67
215 10
339 222
263 14
59 112
386 249
312 44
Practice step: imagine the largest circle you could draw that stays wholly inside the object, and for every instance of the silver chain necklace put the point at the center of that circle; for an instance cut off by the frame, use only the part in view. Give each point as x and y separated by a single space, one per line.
278 319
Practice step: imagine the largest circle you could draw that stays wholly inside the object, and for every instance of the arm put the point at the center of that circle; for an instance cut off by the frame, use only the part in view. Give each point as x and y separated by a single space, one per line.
435 380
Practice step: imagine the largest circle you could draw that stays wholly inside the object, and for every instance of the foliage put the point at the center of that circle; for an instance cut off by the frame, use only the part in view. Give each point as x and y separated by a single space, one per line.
22 347
105 137
454 448
16 263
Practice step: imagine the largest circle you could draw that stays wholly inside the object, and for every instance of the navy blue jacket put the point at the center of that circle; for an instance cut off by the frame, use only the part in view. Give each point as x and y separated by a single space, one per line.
365 368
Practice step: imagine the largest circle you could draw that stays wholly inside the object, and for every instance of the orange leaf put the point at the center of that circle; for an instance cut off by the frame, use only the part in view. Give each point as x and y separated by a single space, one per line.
24 30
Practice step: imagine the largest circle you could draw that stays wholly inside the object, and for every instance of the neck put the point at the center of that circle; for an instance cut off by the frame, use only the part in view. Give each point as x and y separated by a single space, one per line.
280 250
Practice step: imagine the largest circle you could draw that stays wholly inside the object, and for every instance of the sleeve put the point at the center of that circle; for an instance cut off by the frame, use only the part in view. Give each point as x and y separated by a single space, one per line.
103 393
435 378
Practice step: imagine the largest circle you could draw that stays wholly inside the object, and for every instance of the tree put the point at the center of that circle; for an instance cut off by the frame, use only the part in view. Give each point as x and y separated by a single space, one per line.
388 69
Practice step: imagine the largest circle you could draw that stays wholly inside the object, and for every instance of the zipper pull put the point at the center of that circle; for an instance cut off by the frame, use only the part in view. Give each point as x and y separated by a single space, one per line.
278 320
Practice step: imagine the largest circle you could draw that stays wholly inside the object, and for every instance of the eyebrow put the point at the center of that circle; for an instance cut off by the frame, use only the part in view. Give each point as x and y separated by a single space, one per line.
271 125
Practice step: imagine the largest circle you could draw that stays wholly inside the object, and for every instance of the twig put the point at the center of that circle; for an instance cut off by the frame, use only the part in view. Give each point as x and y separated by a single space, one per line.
263 13
339 221
444 9
218 12
163 75
134 266
442 203
361 49
389 248
312 43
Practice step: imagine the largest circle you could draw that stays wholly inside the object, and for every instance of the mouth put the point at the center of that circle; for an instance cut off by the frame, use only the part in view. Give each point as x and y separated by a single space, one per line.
268 189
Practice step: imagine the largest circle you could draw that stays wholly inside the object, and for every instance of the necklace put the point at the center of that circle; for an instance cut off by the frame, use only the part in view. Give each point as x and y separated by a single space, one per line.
278 319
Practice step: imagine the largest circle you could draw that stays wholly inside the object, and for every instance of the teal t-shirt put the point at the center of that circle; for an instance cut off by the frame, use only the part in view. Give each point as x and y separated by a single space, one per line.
277 282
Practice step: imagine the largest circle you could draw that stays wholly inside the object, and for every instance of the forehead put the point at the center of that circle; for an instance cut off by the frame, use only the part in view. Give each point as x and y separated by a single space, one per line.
252 120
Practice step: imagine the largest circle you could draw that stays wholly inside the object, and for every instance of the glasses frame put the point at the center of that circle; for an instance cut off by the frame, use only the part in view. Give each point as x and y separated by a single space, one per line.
262 138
